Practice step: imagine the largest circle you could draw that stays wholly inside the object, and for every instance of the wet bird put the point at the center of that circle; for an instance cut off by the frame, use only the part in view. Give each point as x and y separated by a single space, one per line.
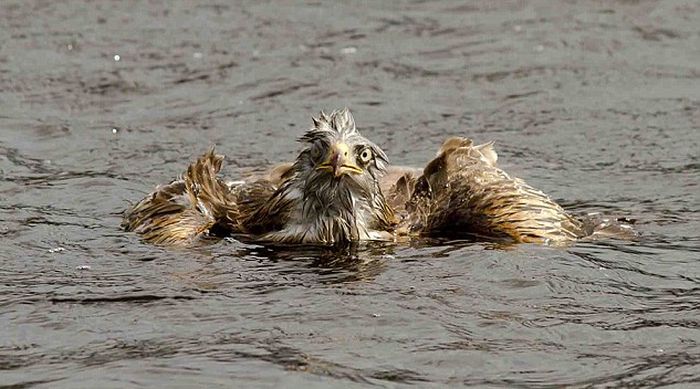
341 189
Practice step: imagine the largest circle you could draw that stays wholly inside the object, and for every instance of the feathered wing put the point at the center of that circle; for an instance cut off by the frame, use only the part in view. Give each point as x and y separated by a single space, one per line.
462 191
189 207
271 214
167 216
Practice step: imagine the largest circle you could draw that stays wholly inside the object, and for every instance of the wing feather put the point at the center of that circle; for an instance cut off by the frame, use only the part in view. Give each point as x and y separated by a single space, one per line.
463 191
186 209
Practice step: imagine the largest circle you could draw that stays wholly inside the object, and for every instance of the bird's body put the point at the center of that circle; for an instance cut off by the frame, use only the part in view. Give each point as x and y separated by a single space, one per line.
340 189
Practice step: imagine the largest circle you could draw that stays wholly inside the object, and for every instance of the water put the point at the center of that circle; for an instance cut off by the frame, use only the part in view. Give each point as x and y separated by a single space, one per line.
598 104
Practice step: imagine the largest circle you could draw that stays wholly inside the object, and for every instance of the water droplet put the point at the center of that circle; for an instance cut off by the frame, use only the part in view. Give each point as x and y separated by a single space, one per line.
117 58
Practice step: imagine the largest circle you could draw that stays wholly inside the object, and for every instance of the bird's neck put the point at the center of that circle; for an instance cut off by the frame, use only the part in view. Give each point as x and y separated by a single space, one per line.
330 211
336 212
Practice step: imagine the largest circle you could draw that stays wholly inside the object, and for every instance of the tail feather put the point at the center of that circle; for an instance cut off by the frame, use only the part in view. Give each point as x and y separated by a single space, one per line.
187 208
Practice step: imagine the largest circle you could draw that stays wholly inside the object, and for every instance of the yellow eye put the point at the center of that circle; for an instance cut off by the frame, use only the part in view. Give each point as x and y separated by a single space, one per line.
366 155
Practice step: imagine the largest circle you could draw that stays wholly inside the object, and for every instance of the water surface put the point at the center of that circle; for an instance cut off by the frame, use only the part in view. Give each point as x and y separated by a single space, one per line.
596 103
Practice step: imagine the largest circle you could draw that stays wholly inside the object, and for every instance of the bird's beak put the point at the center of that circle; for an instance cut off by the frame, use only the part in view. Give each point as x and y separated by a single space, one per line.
339 161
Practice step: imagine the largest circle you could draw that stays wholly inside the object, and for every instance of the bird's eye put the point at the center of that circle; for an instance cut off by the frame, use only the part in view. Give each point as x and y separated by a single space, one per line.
315 151
365 155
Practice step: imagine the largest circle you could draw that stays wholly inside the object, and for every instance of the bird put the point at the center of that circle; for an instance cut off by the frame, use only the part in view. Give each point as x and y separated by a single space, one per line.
342 189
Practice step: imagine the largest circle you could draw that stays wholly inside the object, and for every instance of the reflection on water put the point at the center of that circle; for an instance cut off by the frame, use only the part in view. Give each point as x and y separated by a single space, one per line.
594 103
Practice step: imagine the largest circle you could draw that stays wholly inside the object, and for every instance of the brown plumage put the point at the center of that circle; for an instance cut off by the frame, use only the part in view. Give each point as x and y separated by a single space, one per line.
462 191
188 207
339 189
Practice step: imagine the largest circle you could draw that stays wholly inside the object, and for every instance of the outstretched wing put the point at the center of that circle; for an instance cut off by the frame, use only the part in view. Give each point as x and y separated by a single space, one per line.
167 216
187 208
462 191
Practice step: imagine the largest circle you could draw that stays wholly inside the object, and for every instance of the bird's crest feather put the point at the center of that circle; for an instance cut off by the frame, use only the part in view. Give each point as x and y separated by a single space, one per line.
339 122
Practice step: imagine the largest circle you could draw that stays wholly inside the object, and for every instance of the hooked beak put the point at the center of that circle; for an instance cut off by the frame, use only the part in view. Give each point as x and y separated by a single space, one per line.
339 161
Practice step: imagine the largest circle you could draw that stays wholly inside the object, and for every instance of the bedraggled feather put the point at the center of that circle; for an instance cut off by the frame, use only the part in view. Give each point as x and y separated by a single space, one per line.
460 192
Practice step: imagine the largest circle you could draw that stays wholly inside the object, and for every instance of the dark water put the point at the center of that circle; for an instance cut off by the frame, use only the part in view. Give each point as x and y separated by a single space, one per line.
597 103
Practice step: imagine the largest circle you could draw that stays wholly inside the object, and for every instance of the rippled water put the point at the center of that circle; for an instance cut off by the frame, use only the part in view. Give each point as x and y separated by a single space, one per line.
597 103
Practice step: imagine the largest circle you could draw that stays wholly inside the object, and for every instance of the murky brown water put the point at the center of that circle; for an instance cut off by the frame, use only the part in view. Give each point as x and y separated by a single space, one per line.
597 103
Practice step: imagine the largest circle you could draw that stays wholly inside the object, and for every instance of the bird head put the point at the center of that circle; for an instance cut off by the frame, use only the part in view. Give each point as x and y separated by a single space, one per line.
336 180
337 153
